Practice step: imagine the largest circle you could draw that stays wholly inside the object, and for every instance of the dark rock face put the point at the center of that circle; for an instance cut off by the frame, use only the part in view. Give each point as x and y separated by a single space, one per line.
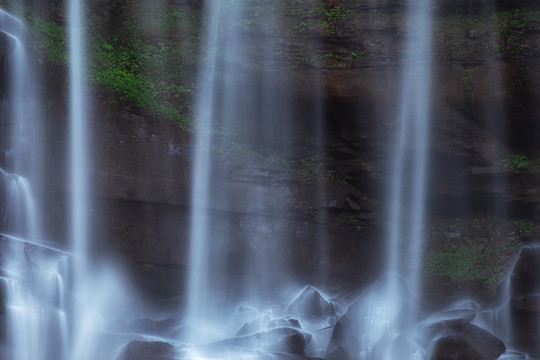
525 278
7 44
288 340
469 343
452 336
161 328
137 350
525 296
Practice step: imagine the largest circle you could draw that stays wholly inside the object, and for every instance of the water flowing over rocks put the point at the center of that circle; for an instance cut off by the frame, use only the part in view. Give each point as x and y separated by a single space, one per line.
449 319
337 62
30 272
310 304
357 331
281 339
160 328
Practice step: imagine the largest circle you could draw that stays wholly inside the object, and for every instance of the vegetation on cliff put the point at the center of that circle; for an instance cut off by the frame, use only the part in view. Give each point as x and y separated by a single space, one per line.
146 56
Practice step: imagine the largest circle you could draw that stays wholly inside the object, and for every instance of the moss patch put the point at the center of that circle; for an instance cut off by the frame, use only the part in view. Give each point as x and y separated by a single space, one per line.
50 38
474 248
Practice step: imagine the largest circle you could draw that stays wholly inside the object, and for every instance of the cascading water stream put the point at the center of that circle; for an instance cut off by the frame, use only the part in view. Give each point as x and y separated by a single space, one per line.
85 317
198 277
409 169
234 109
31 273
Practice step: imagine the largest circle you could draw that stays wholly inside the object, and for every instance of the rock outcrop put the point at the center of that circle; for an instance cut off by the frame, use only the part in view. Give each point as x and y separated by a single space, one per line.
339 73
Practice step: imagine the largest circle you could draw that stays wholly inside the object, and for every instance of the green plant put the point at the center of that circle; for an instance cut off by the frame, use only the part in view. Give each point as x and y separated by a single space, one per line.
131 64
351 221
475 261
302 27
523 226
50 38
518 163
333 17
173 17
336 13
473 248
511 25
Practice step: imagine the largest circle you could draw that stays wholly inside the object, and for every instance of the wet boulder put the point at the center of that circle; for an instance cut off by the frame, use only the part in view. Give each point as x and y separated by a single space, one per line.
258 323
455 318
146 326
284 339
450 347
470 342
141 350
275 323
514 355
311 305
338 353
369 322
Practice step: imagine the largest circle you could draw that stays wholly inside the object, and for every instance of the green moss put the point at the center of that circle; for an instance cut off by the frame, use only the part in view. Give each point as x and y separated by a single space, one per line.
476 248
141 68
523 227
518 162
512 25
476 36
333 18
50 38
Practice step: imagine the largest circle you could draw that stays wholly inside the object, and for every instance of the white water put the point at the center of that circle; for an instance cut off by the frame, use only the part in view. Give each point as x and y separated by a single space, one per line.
408 172
235 109
198 277
30 273
89 291
78 148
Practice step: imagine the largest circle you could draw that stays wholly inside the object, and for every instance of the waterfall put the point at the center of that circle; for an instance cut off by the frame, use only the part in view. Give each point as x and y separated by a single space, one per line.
257 230
409 158
408 162
79 231
31 272
198 277
237 112
85 312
